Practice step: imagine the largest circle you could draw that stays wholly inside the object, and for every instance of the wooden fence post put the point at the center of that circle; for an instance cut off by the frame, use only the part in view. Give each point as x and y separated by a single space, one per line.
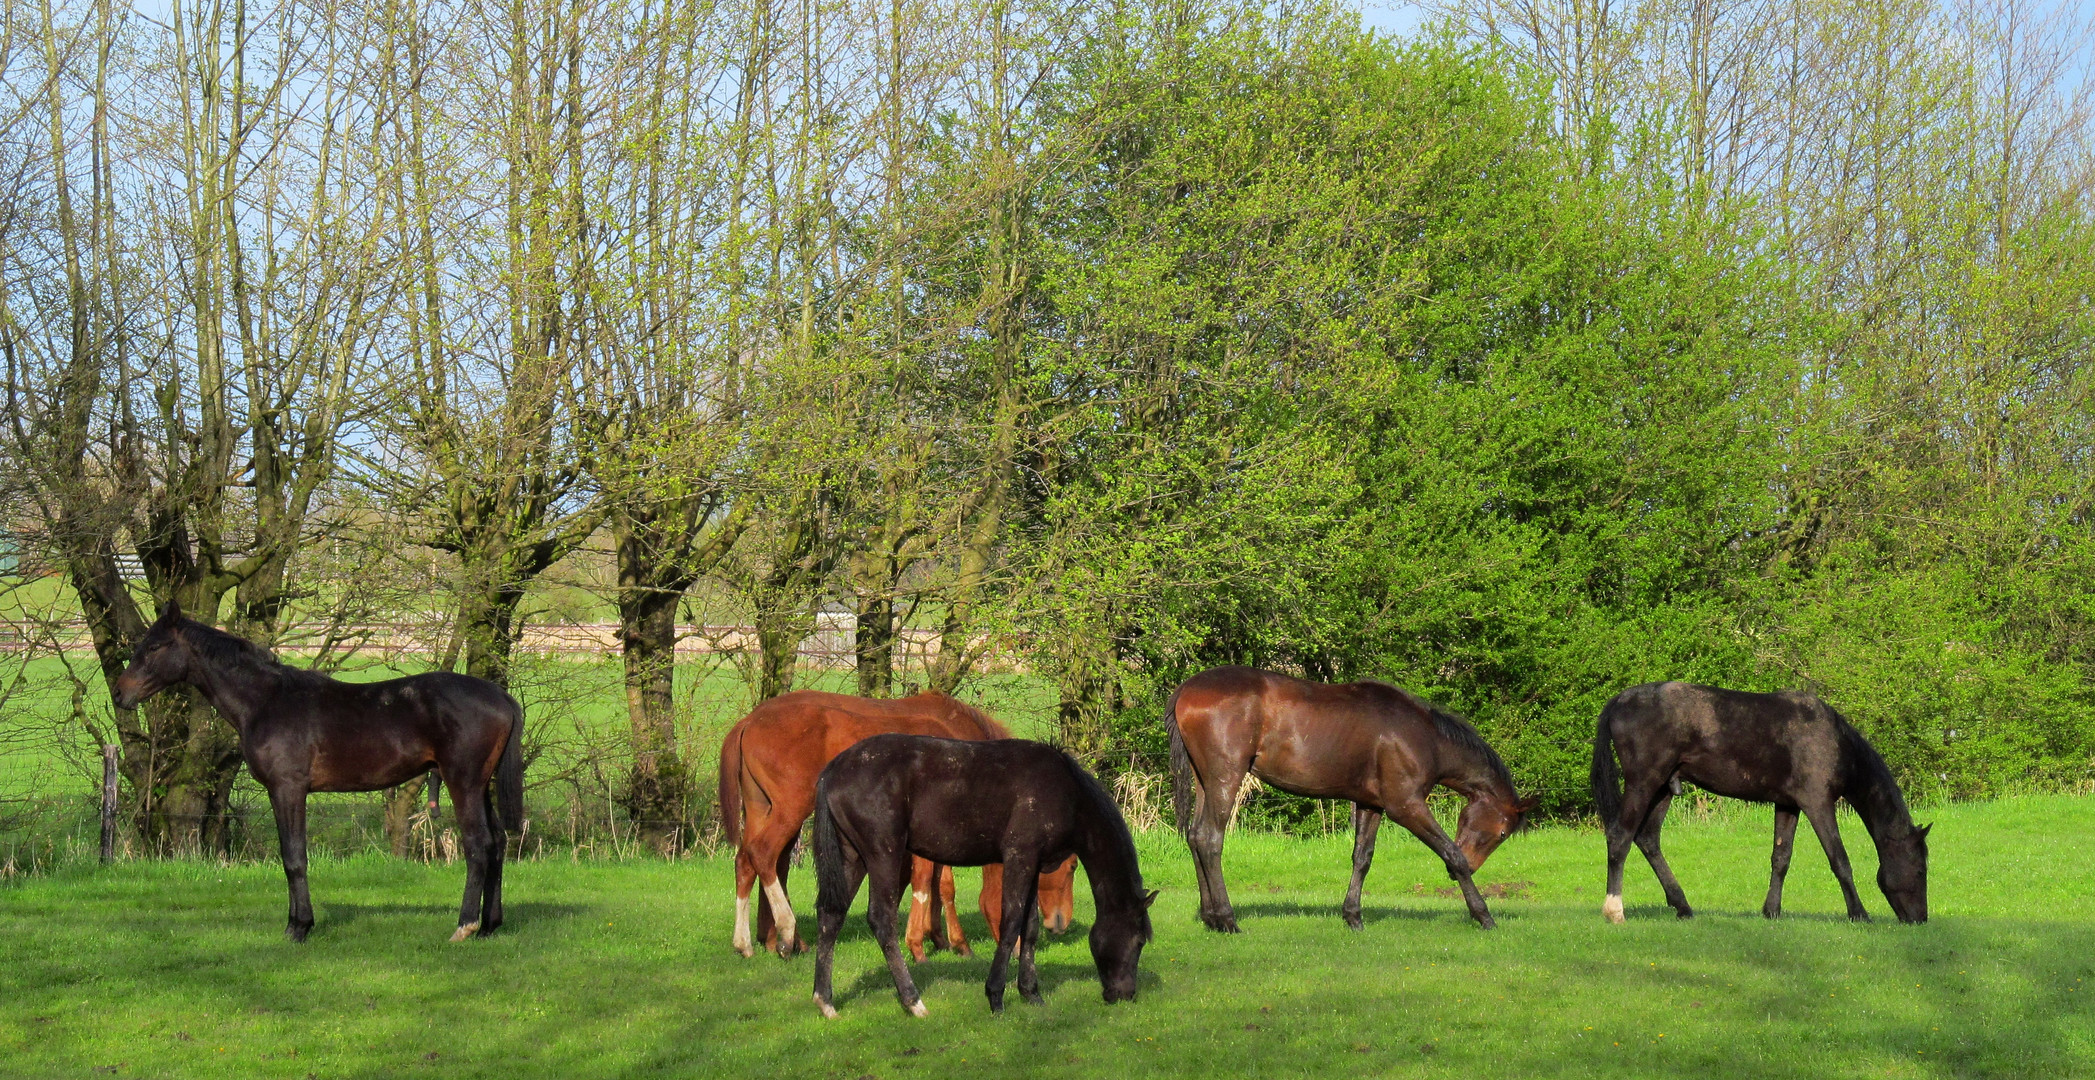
109 803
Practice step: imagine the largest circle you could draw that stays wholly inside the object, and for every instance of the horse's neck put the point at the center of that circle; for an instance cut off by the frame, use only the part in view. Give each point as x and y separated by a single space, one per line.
1109 861
1876 799
237 695
1472 777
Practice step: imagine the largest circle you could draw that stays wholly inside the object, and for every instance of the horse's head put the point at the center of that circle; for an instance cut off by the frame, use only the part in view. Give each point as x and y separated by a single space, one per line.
158 661
1487 821
1117 938
1902 872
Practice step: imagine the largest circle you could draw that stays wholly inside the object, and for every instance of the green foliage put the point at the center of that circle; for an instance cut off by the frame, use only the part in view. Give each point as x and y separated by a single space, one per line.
1359 370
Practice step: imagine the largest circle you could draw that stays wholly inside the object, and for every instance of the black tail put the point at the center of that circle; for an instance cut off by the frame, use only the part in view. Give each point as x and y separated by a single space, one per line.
830 879
1606 775
1185 792
509 774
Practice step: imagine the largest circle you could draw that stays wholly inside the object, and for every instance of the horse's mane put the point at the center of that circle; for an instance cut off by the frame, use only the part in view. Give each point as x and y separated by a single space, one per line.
231 650
1873 776
1455 729
1116 831
990 727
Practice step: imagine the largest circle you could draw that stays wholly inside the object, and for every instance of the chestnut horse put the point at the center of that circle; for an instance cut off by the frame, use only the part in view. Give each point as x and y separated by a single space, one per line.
1383 748
971 803
301 732
769 762
1058 903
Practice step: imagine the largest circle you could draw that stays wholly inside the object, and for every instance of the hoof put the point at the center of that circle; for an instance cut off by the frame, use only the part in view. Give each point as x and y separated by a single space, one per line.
829 1011
1612 908
1221 924
1860 916
1770 912
746 951
1352 919
917 1009
1487 923
296 933
963 950
1033 998
466 931
1684 913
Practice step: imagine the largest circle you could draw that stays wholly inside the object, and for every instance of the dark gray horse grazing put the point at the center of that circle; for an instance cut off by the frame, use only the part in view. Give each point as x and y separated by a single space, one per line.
1790 749
972 803
301 731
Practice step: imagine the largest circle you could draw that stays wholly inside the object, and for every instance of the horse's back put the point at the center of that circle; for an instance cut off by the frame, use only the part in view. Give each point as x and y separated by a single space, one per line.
1740 743
957 802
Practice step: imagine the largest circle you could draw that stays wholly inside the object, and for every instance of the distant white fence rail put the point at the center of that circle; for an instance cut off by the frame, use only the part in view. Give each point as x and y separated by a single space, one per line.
829 645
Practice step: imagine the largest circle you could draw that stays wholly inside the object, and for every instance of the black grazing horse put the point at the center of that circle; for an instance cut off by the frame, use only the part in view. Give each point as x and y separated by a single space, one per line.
1790 749
301 731
972 803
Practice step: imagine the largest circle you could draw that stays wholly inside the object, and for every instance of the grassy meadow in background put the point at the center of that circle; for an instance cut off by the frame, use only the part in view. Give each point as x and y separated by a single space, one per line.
178 969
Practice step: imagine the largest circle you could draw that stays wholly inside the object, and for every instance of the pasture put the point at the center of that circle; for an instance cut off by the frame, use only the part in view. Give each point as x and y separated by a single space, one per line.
177 969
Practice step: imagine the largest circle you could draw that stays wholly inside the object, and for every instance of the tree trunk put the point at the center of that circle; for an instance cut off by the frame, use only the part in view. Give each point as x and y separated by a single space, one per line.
658 789
874 645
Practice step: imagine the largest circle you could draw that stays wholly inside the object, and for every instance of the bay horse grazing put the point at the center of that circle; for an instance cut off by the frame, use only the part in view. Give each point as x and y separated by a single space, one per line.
769 762
1790 749
1058 902
301 731
1383 748
1023 804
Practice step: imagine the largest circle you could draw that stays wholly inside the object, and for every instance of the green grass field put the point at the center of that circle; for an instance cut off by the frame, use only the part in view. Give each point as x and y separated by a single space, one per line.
178 969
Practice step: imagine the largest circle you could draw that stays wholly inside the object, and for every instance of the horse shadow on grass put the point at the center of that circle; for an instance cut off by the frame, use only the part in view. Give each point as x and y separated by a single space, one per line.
874 985
1369 915
344 913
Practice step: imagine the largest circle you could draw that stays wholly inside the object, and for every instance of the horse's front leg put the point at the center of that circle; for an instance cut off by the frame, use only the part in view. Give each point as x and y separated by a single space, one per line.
288 802
1778 863
1366 823
1417 817
1021 882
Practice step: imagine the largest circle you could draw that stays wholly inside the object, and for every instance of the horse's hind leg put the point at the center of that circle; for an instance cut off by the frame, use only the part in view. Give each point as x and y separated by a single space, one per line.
1778 863
497 851
882 901
830 920
780 905
473 835
1621 832
1204 836
1648 843
745 881
1827 826
1366 823
289 804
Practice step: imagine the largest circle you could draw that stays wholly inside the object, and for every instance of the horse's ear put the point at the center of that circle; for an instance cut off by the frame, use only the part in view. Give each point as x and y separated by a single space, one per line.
1528 803
1149 899
171 612
1924 830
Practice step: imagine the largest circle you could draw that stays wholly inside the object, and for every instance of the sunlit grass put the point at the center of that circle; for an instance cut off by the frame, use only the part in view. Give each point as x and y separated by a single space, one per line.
616 969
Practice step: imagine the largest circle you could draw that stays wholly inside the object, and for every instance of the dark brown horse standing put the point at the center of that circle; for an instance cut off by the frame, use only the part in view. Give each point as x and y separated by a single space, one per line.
301 732
769 763
1380 747
1026 805
1790 749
